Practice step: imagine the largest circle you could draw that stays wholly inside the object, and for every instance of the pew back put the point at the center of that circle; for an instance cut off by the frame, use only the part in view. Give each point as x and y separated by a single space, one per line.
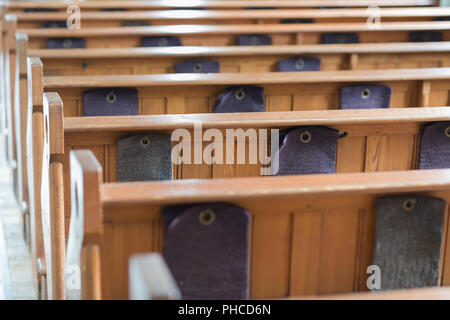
242 59
225 35
297 243
218 17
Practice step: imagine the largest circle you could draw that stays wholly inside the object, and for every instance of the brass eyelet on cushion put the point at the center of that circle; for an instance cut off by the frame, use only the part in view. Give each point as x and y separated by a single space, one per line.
254 40
198 67
447 132
299 64
207 217
162 42
111 97
365 94
305 137
67 43
409 204
239 94
341 39
145 141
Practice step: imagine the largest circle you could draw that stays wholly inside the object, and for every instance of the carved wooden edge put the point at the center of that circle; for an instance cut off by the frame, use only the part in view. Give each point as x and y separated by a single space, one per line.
20 109
169 122
150 278
262 78
52 195
9 47
21 49
433 293
54 125
223 190
35 83
86 224
34 143
11 22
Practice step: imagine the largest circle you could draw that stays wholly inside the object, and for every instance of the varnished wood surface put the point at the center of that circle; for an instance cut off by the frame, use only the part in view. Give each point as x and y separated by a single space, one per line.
234 29
256 119
189 191
250 78
199 51
219 4
238 14
297 229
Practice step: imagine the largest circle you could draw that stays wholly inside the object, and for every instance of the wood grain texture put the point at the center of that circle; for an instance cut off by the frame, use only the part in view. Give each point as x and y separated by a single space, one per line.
132 211
359 151
21 105
52 195
34 139
250 78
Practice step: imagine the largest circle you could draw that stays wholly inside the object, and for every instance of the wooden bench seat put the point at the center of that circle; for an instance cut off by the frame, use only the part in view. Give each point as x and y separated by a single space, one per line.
375 140
19 6
118 220
225 35
218 17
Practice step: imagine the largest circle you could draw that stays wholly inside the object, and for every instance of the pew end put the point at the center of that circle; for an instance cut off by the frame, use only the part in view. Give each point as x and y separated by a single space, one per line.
151 279
20 114
82 279
52 196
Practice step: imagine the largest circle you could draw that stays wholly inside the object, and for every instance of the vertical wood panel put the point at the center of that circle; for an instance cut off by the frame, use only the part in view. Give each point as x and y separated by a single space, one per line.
306 244
338 251
271 249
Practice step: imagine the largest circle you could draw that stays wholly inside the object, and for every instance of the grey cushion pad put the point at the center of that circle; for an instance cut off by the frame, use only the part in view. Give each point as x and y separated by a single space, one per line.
144 157
408 242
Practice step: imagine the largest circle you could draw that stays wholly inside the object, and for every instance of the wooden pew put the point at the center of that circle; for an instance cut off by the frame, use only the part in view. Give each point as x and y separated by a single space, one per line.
218 17
375 140
433 89
223 4
120 219
236 59
242 59
290 91
225 35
